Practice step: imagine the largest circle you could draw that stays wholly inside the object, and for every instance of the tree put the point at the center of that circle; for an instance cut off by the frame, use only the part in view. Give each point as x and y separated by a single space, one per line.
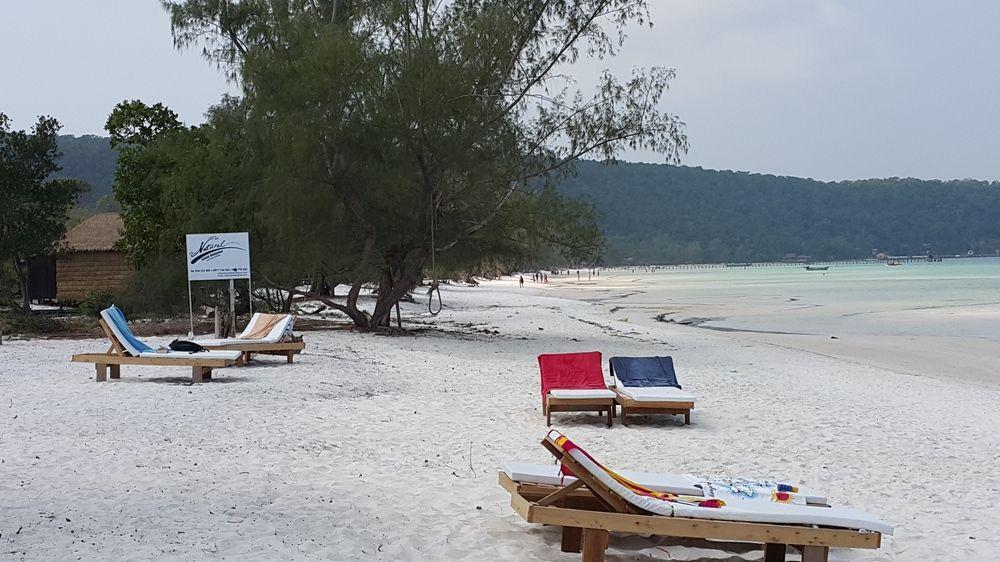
394 123
133 127
35 209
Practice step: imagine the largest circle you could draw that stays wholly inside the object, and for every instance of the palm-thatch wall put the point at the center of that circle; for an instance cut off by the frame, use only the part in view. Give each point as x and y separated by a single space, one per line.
88 261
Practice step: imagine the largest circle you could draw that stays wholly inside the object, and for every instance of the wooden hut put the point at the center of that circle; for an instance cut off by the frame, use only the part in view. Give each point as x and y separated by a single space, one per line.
88 261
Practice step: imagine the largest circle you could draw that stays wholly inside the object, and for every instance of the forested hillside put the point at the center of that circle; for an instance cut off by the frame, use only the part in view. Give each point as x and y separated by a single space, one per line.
665 214
668 214
89 158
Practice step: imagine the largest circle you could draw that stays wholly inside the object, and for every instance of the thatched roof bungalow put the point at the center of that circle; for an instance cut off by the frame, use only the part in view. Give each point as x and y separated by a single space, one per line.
88 261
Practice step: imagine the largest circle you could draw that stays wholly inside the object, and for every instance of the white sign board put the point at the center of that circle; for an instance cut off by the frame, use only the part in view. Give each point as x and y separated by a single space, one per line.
211 257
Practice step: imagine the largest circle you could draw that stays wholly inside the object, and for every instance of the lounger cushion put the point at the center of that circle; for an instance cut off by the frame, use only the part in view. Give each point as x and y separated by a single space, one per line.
682 484
656 394
221 354
788 514
217 342
580 394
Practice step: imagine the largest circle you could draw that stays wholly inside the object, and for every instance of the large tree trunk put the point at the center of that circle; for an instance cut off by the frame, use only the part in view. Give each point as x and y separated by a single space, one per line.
395 285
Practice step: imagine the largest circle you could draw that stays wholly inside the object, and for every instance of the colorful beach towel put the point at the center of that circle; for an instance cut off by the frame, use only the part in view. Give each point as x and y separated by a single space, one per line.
644 371
570 371
566 445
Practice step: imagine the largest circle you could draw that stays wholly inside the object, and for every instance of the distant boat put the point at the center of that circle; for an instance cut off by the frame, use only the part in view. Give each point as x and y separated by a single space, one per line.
817 267
893 262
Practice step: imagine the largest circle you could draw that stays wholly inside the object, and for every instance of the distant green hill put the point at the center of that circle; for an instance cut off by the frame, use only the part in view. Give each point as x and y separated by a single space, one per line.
91 159
667 214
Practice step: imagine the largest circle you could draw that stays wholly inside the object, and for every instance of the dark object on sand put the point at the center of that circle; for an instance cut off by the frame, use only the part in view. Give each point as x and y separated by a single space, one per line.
184 345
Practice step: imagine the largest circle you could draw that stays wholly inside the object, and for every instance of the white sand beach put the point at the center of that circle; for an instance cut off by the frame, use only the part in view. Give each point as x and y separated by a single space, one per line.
388 448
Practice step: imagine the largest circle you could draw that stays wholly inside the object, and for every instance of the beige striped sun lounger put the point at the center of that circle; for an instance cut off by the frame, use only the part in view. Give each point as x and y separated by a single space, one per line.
268 334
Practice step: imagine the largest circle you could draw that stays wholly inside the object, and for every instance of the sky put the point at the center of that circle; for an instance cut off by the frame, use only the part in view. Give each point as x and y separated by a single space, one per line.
827 89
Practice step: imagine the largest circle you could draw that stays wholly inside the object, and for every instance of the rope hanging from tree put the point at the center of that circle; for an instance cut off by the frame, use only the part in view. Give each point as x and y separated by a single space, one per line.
434 282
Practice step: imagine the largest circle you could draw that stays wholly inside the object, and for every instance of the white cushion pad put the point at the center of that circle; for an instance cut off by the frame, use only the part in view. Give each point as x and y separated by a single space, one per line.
681 484
656 394
231 355
581 393
213 342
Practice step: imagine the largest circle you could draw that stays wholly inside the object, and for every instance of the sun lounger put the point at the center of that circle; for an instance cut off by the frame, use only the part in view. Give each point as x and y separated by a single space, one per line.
600 501
648 385
574 382
681 484
269 334
126 349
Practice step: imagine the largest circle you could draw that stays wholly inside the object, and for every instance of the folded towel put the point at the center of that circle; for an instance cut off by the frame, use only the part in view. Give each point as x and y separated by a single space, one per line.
570 371
644 371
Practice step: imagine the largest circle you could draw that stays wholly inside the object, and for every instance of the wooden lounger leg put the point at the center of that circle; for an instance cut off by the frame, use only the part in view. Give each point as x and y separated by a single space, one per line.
572 539
595 543
102 372
116 371
611 415
290 354
196 374
815 553
774 552
687 418
548 415
624 415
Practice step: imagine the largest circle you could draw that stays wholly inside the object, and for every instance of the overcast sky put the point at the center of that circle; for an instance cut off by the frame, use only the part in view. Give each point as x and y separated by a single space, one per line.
816 88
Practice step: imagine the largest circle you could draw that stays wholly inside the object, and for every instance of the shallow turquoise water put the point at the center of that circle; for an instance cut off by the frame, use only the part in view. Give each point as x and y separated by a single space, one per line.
959 297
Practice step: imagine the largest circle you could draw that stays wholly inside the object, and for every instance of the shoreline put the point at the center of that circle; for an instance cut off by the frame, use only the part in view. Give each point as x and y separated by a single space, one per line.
969 358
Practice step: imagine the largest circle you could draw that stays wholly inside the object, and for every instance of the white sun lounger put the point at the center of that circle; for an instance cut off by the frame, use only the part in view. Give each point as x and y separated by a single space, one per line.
279 340
652 400
280 331
126 349
597 503
751 512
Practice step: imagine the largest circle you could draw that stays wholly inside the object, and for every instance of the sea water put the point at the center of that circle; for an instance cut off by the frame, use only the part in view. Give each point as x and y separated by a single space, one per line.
956 297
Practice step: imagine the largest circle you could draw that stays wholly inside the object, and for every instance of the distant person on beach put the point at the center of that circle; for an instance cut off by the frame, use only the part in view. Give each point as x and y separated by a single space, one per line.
520 281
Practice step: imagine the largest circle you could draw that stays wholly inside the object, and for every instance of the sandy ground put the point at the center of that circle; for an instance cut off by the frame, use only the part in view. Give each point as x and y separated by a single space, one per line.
379 448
